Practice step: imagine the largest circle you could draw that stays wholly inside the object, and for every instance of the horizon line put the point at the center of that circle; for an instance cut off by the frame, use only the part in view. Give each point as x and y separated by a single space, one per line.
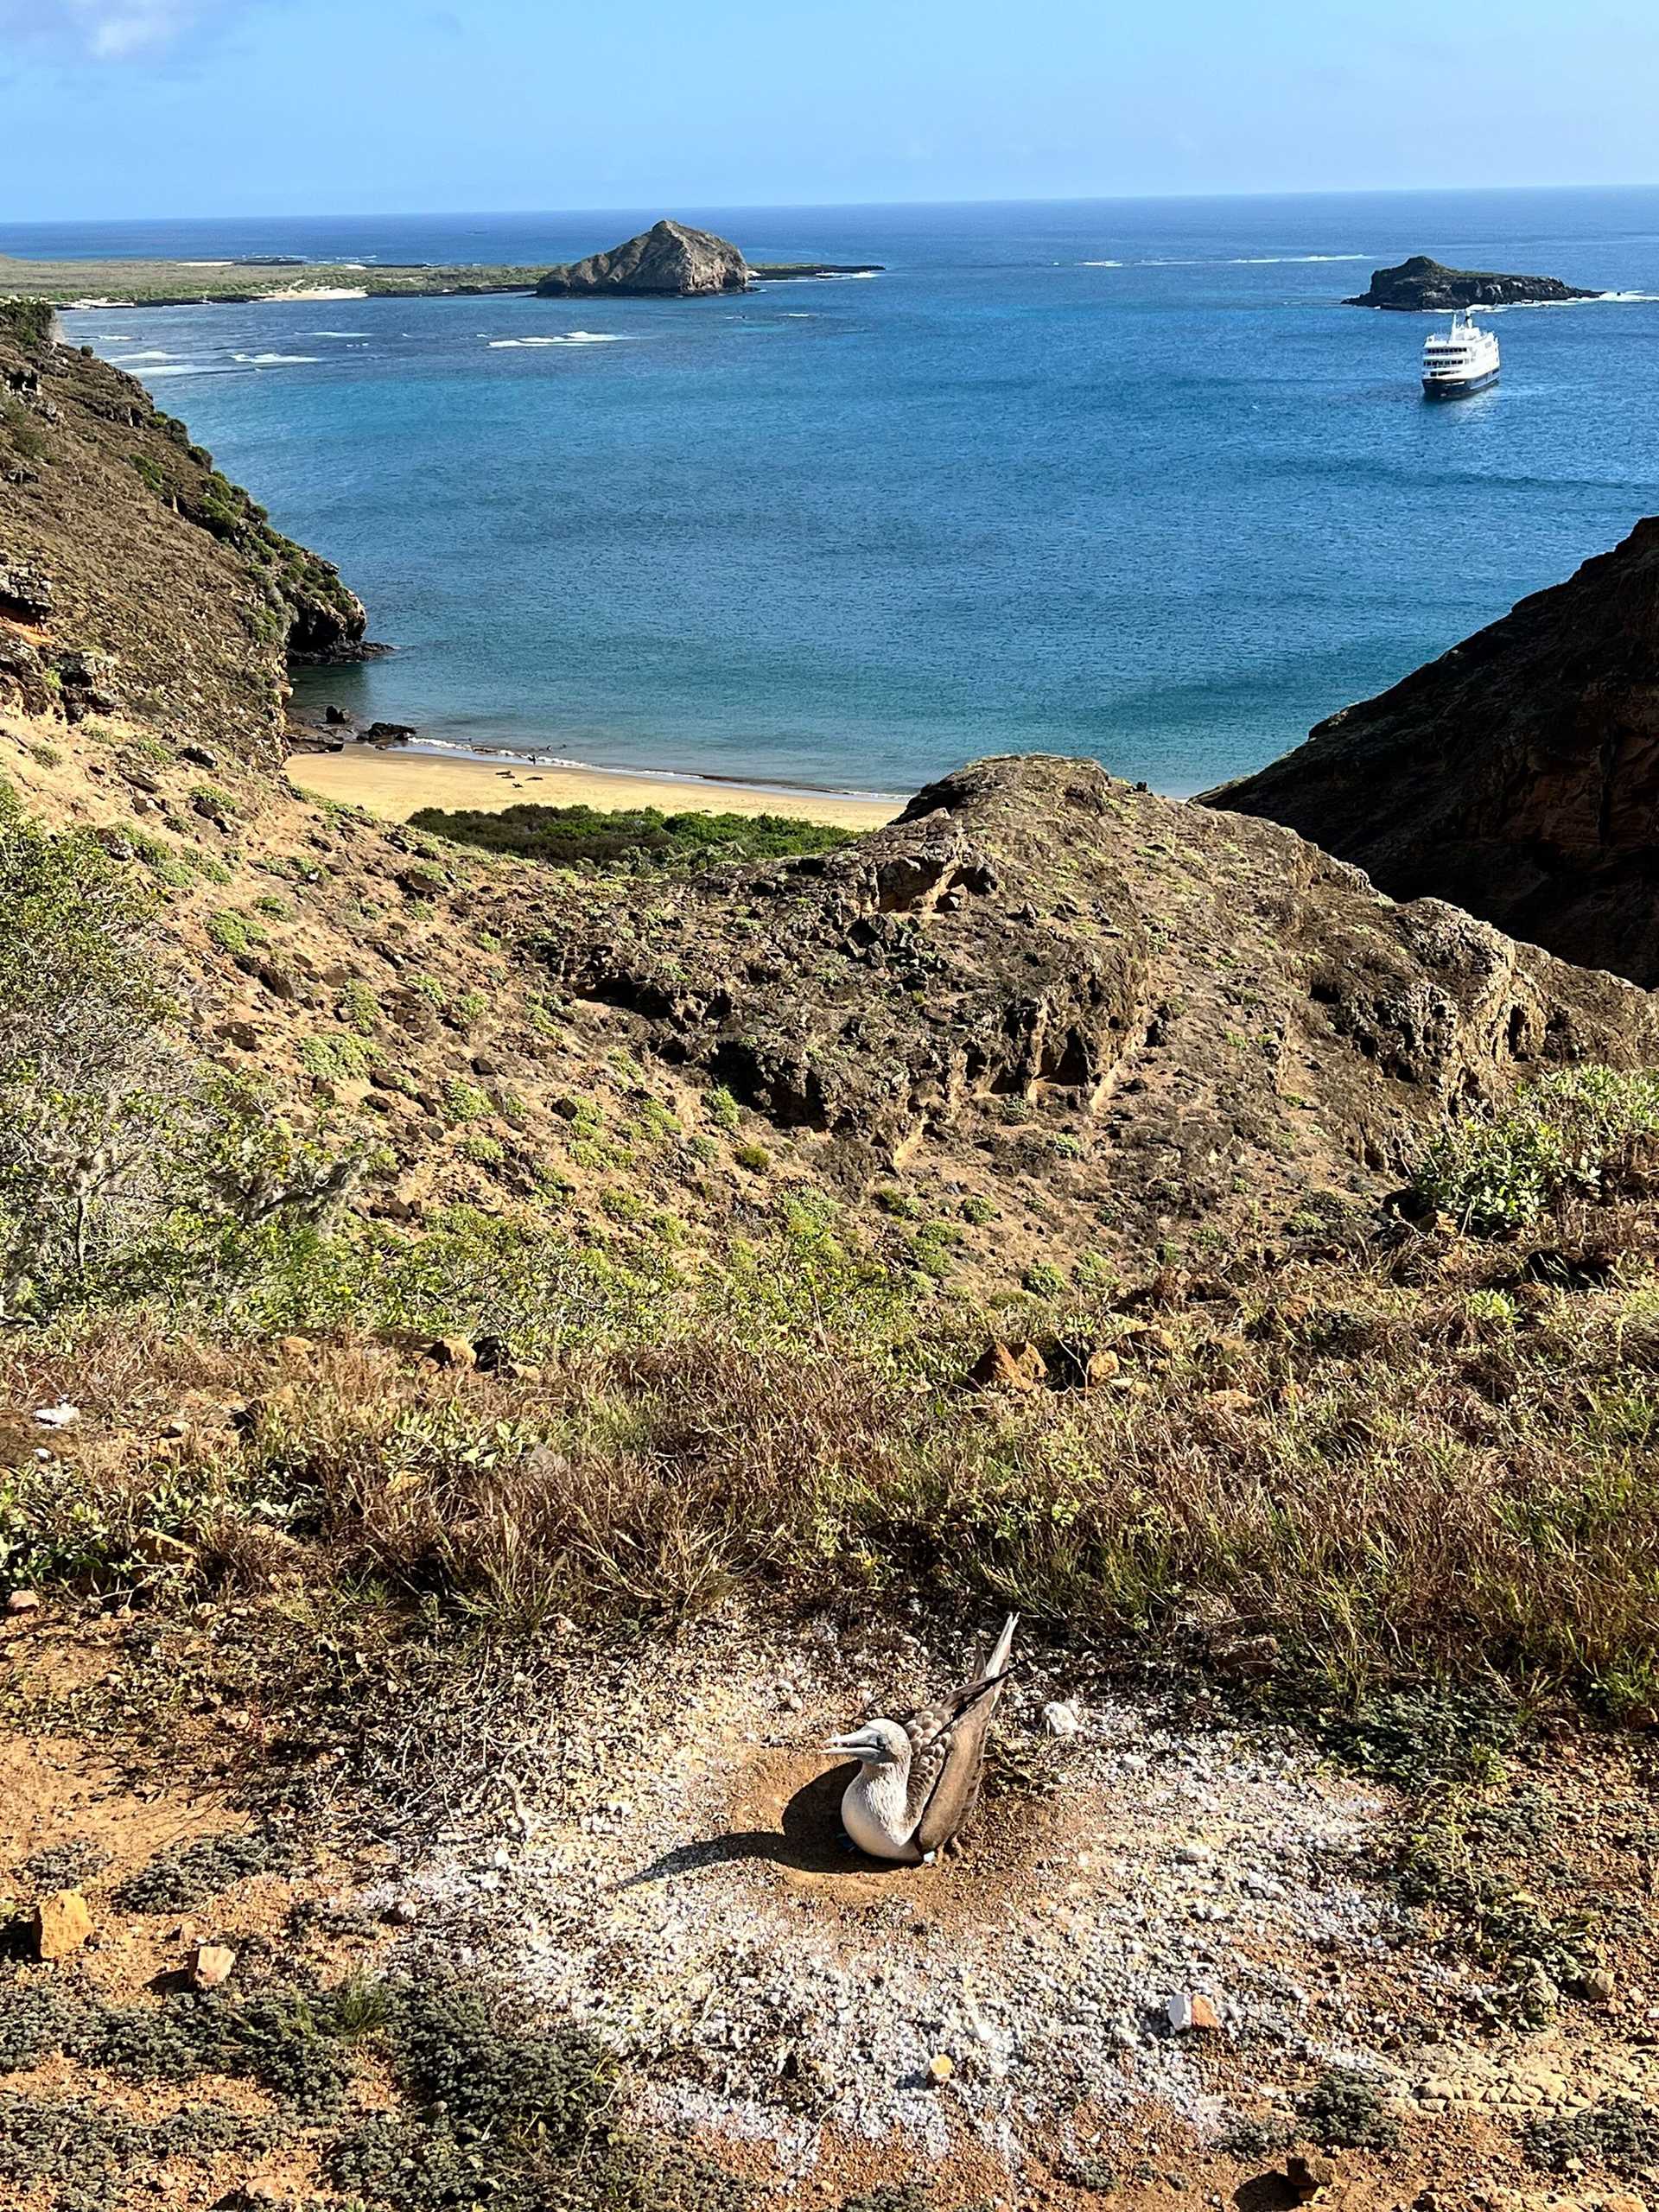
782 207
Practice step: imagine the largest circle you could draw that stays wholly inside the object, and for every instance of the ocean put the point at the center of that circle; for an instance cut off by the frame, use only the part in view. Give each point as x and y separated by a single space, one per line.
1116 478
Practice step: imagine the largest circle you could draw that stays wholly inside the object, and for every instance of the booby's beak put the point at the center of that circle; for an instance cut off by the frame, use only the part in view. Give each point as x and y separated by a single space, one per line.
856 1746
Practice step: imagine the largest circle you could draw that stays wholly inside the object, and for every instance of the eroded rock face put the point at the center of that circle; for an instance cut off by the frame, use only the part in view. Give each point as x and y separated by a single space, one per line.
668 258
1168 1011
1420 284
1518 774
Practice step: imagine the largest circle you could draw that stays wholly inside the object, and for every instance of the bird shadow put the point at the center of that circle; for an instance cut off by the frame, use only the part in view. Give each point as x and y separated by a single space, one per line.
807 1840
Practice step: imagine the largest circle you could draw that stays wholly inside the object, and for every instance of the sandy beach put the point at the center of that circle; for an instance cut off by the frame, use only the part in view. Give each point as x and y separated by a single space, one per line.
397 785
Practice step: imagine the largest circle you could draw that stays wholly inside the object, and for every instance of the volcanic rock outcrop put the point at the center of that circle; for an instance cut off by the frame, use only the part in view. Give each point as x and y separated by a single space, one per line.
1164 1011
668 259
1420 283
1518 774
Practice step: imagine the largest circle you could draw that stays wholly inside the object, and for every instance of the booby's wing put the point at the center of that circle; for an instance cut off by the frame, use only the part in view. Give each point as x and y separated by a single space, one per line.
948 1750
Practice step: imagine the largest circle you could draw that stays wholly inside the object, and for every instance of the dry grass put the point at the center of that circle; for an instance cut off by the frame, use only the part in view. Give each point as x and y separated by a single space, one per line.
1426 1464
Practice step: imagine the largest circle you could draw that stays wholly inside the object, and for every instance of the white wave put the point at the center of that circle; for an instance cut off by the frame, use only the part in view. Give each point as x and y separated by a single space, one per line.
1100 265
275 361
797 314
565 338
1595 299
191 369
1276 260
126 360
339 333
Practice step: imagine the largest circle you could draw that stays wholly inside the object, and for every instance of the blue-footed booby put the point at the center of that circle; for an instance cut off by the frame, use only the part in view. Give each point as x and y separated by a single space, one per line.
917 1779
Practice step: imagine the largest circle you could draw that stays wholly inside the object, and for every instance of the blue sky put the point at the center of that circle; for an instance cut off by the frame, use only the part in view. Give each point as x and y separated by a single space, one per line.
199 107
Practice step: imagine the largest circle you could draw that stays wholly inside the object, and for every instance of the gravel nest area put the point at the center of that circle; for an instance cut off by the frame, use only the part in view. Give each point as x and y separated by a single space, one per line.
677 1884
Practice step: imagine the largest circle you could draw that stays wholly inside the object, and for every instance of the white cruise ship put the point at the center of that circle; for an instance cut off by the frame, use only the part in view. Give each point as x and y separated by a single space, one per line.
1463 358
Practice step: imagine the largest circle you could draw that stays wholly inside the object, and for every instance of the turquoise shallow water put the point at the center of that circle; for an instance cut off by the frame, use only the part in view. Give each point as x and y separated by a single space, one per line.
1118 478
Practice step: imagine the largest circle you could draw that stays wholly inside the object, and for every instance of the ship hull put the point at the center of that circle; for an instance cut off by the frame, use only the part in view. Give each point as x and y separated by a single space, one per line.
1458 387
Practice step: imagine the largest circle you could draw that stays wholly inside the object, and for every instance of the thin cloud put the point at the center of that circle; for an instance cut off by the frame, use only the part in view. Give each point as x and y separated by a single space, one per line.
108 30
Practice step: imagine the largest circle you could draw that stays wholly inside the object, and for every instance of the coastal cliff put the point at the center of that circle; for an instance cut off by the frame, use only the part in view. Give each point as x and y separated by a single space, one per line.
669 258
1518 774
139 576
1419 283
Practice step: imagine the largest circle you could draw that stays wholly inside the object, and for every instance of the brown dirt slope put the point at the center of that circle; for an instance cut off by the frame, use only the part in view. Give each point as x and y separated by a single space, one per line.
1518 774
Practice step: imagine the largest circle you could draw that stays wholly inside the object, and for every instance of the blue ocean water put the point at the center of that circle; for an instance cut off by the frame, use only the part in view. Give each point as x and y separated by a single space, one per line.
1121 478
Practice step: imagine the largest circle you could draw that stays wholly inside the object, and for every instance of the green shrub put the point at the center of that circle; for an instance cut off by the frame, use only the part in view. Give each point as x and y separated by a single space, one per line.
754 1157
569 835
236 934
465 1102
1569 1136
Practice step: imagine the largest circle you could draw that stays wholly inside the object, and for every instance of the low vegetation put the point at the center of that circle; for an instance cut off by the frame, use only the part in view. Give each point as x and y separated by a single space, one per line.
569 836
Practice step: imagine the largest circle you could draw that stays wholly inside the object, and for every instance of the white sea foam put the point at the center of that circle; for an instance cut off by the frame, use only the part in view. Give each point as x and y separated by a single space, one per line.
1100 265
126 360
1276 260
275 360
565 338
192 369
339 333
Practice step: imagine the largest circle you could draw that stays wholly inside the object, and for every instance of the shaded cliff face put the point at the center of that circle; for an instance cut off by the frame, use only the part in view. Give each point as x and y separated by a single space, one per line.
132 575
668 259
1420 284
1518 774
1164 1014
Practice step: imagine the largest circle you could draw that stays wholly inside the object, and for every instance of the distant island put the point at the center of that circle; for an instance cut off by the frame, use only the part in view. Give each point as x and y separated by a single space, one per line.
672 260
1420 283
669 261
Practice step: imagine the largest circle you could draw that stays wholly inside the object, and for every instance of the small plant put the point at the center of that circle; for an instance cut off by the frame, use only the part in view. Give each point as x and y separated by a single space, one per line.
754 1157
721 1107
1043 1280
484 1151
236 934
465 1102
977 1211
1347 2110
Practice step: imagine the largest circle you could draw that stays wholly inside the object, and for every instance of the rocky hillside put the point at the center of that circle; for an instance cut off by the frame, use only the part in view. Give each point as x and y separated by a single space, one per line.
1420 284
1042 1014
1517 774
133 576
670 257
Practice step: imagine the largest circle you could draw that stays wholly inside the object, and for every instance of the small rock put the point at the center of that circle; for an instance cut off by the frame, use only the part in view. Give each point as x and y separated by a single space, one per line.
1597 1987
210 1964
940 2068
401 1912
60 1416
1309 2171
1194 1854
451 1352
1060 1719
1101 1366
63 1925
24 1601
1009 1366
1188 2014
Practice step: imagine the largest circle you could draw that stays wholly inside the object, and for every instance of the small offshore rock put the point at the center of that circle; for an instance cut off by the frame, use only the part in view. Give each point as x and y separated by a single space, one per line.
211 1964
1060 1718
61 1924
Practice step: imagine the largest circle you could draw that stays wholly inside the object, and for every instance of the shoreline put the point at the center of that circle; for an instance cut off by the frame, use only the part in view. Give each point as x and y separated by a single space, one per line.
395 783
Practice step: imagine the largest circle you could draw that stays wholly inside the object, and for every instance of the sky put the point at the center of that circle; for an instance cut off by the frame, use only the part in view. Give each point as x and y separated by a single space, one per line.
227 107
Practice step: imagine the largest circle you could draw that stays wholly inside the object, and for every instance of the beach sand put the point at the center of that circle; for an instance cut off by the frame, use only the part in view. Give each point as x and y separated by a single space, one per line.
396 785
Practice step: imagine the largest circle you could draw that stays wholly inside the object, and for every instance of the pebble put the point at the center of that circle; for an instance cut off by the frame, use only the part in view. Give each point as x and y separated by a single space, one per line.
211 1964
1060 1718
60 1416
24 1601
